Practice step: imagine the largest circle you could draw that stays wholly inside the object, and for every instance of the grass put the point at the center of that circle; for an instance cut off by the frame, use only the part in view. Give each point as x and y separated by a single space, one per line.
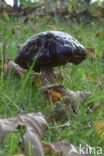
20 97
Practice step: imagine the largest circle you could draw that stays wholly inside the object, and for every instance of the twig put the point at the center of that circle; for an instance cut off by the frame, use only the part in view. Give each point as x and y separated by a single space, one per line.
65 125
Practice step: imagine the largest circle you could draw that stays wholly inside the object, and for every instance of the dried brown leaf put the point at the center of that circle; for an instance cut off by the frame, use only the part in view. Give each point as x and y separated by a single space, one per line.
62 148
70 98
65 101
32 144
90 52
7 126
99 127
100 34
21 154
17 70
34 125
11 66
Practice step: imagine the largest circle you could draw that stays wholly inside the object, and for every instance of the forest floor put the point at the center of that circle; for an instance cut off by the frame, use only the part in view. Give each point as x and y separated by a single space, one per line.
20 97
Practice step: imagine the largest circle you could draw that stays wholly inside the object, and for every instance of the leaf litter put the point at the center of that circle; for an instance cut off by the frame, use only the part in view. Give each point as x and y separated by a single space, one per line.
33 126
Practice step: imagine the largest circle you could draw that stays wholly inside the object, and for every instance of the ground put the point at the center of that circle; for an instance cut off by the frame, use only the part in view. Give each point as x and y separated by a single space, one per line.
20 97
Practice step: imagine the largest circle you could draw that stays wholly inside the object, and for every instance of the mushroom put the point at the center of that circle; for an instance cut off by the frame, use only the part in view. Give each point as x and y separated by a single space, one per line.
50 49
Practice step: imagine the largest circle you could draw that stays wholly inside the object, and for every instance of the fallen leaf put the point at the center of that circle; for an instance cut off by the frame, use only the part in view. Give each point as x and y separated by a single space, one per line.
94 107
89 78
33 126
35 77
11 66
100 34
21 154
99 127
70 98
90 52
54 95
62 148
